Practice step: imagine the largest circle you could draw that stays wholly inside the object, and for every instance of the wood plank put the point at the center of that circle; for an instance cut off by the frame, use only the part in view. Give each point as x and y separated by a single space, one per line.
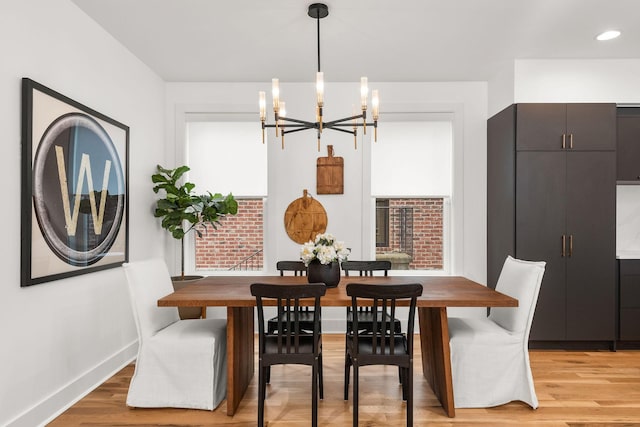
436 355
439 291
240 363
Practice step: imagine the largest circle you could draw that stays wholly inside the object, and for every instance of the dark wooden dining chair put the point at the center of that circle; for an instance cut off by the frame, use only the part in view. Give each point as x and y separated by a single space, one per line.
306 317
382 345
297 267
365 317
289 344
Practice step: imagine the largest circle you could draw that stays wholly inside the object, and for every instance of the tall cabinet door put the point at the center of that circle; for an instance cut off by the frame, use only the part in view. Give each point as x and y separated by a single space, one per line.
540 225
591 261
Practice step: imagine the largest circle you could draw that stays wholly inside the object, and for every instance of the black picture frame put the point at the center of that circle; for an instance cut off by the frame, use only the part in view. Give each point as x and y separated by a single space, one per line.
75 188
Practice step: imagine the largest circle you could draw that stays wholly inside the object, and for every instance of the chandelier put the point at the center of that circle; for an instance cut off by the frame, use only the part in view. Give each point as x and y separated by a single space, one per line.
285 125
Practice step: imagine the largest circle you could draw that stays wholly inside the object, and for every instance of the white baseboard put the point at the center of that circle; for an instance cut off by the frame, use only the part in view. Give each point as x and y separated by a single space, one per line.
49 408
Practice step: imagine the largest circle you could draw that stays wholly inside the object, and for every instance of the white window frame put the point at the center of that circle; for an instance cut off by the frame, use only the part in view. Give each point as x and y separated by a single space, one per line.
184 115
452 205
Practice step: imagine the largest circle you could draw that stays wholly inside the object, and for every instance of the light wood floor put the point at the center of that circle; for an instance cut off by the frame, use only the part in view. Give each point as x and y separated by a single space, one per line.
599 388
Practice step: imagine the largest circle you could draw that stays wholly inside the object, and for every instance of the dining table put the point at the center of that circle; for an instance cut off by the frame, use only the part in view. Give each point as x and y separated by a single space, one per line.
439 293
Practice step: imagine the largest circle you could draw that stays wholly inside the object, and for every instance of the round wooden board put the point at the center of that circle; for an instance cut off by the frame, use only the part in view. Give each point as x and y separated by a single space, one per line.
304 219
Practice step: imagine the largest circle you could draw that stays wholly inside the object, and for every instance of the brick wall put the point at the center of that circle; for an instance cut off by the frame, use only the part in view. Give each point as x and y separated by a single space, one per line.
238 238
241 236
427 232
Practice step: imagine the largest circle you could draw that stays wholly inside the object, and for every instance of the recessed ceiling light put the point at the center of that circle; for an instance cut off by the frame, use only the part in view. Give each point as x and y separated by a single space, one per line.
608 35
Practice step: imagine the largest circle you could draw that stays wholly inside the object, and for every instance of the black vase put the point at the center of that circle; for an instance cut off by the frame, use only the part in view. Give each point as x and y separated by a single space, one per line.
329 274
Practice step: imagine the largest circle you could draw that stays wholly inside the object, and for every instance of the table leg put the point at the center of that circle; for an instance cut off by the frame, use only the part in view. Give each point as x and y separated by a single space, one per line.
240 354
436 356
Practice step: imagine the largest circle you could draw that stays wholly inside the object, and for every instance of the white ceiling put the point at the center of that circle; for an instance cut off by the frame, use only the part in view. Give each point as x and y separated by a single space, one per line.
386 40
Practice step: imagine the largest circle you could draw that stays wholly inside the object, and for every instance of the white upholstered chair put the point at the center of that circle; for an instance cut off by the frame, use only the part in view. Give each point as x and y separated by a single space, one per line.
489 355
181 363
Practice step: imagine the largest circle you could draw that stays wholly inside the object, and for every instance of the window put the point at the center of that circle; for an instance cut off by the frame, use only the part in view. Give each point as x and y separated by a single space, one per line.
382 223
224 158
414 232
411 186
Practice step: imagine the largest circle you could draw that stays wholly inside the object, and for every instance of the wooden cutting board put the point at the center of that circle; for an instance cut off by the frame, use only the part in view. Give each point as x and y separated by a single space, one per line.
330 174
305 218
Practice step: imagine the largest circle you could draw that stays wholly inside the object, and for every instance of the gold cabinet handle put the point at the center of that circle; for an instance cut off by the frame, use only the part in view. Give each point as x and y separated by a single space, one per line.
570 244
564 245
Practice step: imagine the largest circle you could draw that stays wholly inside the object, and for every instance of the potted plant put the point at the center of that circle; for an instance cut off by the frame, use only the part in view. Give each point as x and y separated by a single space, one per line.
183 211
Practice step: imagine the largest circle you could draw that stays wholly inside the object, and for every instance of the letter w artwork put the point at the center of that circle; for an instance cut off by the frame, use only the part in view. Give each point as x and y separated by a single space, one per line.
74 204
79 190
71 221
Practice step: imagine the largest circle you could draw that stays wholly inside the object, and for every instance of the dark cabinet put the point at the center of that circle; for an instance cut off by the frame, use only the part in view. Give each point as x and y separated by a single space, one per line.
629 326
556 127
628 145
556 205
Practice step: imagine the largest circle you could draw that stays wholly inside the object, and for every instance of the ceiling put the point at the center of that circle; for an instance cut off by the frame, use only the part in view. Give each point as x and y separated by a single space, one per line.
401 40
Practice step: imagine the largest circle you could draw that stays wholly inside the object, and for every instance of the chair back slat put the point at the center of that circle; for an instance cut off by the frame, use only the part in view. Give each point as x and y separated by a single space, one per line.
383 298
288 322
289 301
366 269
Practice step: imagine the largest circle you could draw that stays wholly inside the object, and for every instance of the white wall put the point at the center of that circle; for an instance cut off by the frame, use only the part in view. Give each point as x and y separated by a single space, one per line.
628 221
61 338
501 87
565 80
293 170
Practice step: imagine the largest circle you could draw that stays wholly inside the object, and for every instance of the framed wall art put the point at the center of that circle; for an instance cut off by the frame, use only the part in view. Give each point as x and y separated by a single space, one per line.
75 188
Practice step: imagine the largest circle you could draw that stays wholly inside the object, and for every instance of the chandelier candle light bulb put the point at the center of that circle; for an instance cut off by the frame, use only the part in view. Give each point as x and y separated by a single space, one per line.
375 103
364 91
263 106
275 94
320 88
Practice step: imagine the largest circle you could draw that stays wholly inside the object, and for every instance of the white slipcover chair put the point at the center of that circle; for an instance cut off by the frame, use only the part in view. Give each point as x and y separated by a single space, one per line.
181 363
489 355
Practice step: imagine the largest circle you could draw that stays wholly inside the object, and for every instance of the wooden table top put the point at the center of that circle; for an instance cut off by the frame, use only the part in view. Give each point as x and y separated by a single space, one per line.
439 291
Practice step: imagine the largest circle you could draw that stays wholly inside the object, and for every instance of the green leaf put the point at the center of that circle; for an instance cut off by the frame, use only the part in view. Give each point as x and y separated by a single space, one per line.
180 206
177 173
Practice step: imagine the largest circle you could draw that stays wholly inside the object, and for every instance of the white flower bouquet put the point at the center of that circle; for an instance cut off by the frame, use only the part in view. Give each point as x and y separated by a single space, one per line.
325 248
